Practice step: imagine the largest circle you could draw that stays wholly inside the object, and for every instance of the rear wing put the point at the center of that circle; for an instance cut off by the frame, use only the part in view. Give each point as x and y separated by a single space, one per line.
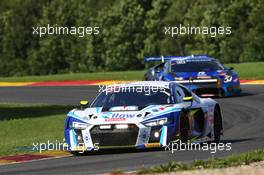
162 58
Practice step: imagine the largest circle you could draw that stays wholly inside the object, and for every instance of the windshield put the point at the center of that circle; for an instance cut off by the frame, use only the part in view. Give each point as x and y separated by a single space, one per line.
196 66
133 98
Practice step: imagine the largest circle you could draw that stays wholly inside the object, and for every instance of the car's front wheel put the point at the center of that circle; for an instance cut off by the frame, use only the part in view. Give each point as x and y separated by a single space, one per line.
217 125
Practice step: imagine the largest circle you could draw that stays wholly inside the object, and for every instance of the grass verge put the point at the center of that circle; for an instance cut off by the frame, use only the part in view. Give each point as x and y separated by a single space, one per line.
232 160
252 70
124 75
23 125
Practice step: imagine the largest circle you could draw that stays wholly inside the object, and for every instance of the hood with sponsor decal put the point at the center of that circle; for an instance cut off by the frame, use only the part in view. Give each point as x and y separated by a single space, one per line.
97 116
197 75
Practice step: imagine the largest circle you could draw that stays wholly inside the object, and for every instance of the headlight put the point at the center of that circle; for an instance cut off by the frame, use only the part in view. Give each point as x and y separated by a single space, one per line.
121 126
179 78
77 125
156 122
218 82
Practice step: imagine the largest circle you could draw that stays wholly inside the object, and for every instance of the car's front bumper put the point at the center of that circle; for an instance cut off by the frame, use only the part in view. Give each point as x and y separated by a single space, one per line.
212 87
137 136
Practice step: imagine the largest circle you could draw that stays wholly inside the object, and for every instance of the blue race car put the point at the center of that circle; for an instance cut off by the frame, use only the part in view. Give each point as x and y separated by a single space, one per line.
142 115
202 74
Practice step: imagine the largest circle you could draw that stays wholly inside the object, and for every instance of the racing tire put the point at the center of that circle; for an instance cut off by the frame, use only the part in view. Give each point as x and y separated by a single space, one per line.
217 125
76 153
184 128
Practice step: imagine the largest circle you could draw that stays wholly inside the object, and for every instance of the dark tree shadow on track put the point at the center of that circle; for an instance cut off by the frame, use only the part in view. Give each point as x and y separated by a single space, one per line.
12 111
238 140
119 151
243 94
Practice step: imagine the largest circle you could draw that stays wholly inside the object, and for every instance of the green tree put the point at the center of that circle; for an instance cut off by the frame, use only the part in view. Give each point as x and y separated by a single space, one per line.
122 35
253 46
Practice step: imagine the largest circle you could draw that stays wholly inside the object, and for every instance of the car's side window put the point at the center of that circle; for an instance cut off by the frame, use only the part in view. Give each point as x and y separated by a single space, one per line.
159 67
186 92
166 67
179 94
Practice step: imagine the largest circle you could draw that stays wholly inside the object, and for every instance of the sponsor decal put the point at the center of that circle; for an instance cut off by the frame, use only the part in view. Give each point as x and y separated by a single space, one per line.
155 110
161 108
114 119
152 145
204 77
87 138
236 80
201 74
144 135
181 61
104 116
118 115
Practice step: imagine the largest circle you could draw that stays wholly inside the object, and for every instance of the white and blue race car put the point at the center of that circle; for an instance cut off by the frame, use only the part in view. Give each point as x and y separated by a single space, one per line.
142 115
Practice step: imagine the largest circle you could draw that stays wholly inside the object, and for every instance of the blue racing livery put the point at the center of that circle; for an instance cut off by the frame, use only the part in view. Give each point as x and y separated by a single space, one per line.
202 74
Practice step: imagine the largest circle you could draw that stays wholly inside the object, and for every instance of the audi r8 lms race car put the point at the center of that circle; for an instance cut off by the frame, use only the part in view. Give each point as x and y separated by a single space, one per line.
142 115
202 74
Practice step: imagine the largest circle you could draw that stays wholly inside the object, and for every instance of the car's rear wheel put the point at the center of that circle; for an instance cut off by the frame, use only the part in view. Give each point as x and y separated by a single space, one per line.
217 125
184 127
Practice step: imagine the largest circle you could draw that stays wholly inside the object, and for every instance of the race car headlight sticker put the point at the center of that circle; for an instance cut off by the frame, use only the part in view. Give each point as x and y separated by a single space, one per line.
105 126
227 78
78 125
156 122
179 78
121 126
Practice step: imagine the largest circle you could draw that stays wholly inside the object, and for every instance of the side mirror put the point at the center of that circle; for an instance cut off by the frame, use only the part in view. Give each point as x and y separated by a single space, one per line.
157 70
186 99
84 103
153 72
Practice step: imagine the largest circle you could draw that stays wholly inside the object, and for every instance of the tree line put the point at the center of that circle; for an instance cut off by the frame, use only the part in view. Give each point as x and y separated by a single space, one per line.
129 30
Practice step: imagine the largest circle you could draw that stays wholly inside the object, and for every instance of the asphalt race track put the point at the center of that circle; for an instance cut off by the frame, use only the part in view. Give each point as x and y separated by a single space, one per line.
243 119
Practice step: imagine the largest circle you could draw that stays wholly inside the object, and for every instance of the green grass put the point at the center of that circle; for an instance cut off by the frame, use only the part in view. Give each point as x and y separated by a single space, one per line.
117 171
125 75
232 160
23 125
252 70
